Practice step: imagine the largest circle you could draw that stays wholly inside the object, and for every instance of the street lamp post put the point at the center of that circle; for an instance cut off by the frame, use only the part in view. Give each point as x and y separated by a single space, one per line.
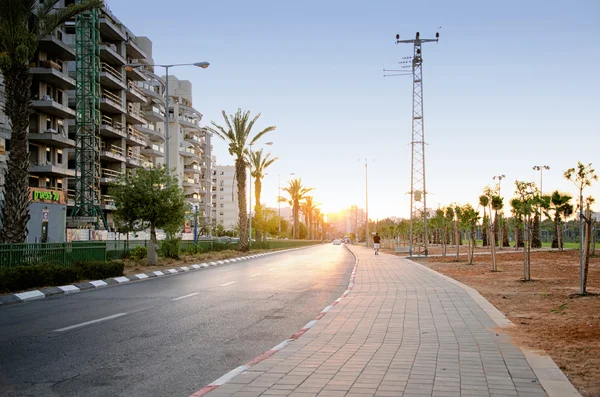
541 169
202 65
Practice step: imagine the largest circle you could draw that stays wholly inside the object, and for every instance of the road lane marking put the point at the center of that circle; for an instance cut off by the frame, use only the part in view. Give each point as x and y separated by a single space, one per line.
90 322
271 269
186 296
255 274
229 283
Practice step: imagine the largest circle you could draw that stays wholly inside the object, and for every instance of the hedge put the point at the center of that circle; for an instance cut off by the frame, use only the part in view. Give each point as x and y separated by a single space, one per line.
36 276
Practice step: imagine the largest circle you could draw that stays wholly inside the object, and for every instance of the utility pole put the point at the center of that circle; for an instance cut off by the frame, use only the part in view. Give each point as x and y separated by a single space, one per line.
418 191
541 169
367 200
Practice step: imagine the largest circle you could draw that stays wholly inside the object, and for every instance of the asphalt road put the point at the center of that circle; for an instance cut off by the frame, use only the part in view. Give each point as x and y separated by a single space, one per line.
168 336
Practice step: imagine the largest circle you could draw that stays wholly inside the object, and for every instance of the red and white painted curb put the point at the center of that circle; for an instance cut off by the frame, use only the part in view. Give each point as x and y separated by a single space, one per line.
233 373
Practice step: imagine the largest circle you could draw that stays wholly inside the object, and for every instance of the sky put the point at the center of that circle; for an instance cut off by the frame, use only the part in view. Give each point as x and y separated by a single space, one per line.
510 85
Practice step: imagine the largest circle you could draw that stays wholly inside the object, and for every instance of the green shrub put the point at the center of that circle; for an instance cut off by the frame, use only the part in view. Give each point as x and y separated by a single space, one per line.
221 246
194 249
99 270
140 252
169 248
35 276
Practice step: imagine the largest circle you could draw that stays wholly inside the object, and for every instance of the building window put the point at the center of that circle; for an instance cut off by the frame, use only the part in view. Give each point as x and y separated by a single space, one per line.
48 183
221 213
222 205
59 183
222 197
48 124
221 189
222 172
59 156
48 155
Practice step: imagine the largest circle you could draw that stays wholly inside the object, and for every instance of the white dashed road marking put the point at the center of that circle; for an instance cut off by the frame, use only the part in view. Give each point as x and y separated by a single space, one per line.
255 274
186 296
90 322
229 283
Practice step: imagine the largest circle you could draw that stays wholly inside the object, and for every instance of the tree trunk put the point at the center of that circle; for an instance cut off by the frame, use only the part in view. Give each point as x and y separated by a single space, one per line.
258 209
296 228
240 174
519 237
15 208
535 233
527 251
505 240
152 249
588 239
493 249
556 231
457 237
496 221
484 230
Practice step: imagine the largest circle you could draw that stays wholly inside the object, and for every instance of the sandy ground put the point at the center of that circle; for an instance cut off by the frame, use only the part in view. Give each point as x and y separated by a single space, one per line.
548 312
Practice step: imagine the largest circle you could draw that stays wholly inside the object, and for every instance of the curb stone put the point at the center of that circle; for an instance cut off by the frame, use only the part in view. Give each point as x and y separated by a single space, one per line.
48 292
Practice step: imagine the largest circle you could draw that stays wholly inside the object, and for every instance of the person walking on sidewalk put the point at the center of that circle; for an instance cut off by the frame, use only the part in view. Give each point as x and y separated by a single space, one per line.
376 241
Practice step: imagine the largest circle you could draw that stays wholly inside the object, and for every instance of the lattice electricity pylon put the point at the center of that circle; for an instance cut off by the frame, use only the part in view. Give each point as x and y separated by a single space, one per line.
87 120
418 191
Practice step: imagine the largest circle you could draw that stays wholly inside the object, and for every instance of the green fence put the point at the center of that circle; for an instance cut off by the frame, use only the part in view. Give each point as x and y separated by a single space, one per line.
51 253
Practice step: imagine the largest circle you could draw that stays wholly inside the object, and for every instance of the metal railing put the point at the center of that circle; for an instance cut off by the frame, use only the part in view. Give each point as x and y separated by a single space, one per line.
108 173
109 96
112 149
67 254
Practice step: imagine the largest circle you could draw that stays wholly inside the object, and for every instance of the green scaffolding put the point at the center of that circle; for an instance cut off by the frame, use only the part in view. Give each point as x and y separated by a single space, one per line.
87 120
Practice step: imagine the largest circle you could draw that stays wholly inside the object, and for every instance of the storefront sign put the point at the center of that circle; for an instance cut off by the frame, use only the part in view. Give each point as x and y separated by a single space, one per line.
45 195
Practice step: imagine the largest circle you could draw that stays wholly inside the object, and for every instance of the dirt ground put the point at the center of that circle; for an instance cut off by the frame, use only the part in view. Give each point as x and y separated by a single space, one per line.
548 312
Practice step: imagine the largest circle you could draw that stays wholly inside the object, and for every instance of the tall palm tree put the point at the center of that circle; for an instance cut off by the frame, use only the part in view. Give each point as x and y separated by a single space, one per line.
258 166
297 193
497 204
309 208
237 132
558 207
23 23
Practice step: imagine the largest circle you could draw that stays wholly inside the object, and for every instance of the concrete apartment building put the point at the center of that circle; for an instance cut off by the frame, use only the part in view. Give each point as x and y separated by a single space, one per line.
225 210
132 120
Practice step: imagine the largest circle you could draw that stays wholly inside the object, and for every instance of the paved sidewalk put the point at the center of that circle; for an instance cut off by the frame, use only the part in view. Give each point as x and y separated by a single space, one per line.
403 330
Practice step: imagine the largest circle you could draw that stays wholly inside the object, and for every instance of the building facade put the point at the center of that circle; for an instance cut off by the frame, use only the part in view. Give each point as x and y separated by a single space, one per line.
225 197
131 127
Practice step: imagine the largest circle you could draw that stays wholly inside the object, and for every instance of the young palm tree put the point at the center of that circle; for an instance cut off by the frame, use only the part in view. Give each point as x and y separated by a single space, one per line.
258 165
496 205
23 23
237 132
484 201
297 193
558 207
309 208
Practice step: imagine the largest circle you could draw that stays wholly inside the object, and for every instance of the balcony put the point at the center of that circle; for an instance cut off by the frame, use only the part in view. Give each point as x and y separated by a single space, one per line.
134 160
107 203
49 169
190 182
111 78
51 73
134 51
134 93
189 153
192 168
153 135
155 114
134 116
134 138
111 30
111 103
194 139
188 122
111 153
148 89
49 106
109 54
53 44
136 74
153 151
51 138
111 128
108 176
189 109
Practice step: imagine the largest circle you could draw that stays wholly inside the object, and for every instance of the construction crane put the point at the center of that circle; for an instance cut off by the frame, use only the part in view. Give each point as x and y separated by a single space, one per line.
87 211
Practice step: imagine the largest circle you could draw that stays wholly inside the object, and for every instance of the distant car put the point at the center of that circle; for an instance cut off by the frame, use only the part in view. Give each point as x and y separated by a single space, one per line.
346 240
337 242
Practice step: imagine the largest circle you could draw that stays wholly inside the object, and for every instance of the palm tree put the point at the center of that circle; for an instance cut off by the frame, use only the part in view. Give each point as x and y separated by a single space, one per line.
308 208
237 131
297 193
496 205
484 201
258 166
558 207
23 23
